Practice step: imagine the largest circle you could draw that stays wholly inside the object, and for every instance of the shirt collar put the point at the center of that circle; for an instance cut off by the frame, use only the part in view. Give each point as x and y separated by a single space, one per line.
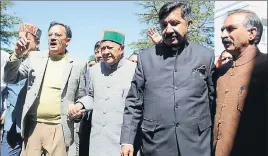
116 65
54 57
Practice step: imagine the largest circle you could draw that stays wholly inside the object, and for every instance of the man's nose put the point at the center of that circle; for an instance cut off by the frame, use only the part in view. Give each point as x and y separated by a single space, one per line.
52 39
105 51
224 34
99 54
169 29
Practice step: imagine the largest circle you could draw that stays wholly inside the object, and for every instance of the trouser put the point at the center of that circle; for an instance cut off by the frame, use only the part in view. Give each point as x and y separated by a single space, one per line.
81 136
43 138
8 148
74 148
84 134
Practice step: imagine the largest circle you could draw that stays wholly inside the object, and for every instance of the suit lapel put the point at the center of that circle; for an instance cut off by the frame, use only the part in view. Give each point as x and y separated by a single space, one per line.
67 72
42 67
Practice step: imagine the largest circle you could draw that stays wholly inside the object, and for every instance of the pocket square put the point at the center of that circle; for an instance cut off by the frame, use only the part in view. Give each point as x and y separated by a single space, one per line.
202 69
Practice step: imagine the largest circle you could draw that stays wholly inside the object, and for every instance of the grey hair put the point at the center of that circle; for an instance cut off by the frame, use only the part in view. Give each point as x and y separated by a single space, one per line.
252 20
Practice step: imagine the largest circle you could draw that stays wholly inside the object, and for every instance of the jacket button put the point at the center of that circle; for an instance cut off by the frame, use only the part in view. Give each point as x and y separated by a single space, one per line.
176 70
107 98
177 124
104 112
176 87
177 106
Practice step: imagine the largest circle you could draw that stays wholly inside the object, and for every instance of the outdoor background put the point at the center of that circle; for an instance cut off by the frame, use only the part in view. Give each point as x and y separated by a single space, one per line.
87 20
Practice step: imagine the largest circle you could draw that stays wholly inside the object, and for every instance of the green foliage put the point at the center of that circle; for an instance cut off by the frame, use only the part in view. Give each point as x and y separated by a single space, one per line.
8 21
201 31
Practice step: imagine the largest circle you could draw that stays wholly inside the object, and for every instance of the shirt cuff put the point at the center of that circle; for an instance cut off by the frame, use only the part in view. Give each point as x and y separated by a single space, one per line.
14 57
81 104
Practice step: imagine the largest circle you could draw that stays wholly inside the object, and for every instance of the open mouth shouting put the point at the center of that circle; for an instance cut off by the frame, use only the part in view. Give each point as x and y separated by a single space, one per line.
53 44
226 42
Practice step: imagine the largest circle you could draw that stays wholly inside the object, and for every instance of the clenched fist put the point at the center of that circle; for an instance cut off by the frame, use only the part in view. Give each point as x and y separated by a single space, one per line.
75 111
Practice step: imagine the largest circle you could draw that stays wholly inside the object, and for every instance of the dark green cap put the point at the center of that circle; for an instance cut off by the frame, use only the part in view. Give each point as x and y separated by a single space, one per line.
115 36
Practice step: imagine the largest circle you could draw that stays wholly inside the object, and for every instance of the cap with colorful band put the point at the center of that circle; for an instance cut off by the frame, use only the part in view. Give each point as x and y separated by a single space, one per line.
115 36
30 28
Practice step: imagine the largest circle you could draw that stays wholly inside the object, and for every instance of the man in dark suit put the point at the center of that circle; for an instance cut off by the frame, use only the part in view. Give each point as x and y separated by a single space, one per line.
172 92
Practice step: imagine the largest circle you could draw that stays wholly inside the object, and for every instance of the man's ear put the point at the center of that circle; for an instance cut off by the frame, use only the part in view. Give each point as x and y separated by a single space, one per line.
190 22
122 49
37 43
68 41
252 33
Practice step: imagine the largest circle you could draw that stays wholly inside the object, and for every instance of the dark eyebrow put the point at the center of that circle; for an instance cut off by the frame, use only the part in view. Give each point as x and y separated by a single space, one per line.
108 47
228 27
163 22
222 28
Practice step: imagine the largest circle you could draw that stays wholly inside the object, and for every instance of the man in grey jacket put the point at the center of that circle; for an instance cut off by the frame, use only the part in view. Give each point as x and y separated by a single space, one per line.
110 82
55 89
171 93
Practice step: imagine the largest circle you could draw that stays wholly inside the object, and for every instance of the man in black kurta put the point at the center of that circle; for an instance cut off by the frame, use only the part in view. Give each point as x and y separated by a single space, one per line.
172 92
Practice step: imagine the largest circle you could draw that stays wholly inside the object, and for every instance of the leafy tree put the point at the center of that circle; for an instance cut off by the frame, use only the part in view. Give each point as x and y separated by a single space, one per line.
8 21
201 31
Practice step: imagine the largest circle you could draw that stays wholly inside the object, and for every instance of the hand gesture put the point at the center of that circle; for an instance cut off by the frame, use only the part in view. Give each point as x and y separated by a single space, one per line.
2 119
154 35
22 44
75 111
127 150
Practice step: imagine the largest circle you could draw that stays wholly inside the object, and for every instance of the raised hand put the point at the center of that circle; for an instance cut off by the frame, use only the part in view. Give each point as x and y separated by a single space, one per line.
154 35
22 45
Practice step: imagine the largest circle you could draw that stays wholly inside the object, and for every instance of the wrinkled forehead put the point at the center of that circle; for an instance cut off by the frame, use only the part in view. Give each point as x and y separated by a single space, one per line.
237 19
108 44
226 54
57 29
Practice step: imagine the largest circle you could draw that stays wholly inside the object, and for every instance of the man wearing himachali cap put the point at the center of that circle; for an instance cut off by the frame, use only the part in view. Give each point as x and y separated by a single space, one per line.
56 84
111 80
91 61
14 97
